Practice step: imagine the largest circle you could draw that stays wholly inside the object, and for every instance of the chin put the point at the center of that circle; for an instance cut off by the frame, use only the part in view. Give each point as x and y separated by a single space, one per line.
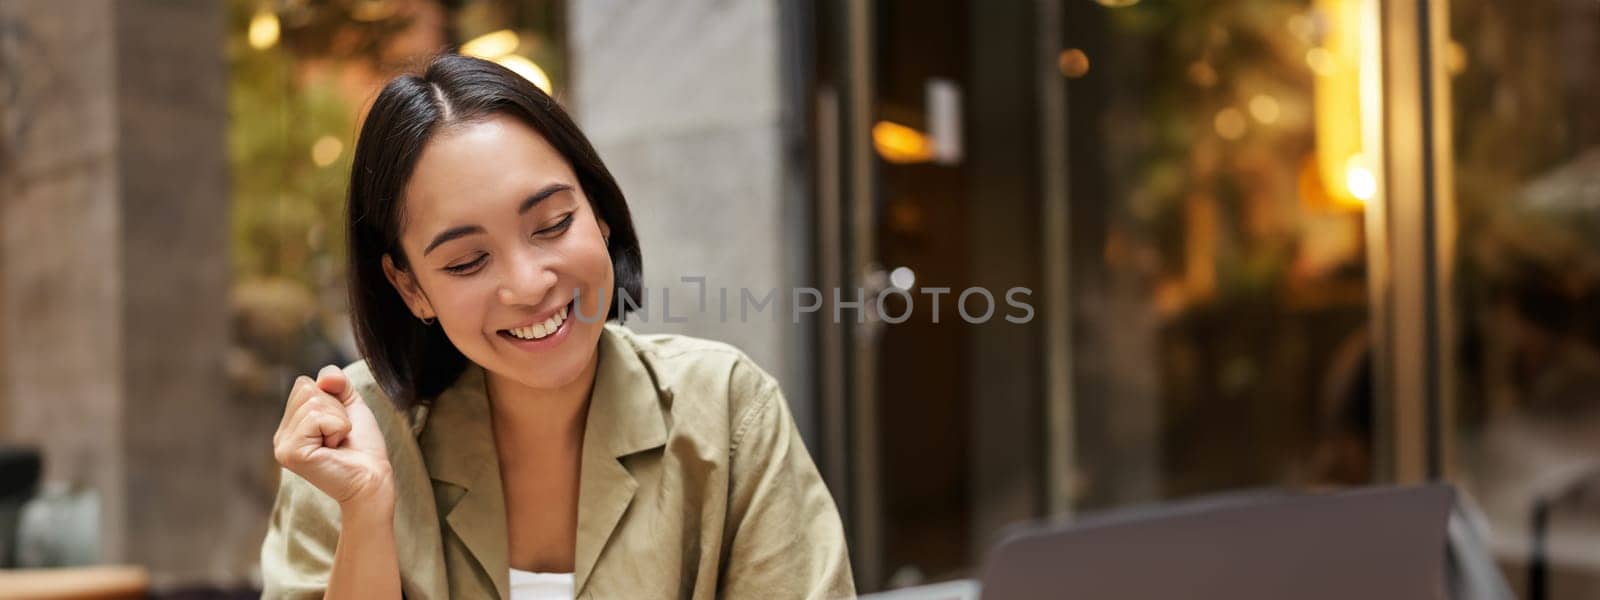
560 366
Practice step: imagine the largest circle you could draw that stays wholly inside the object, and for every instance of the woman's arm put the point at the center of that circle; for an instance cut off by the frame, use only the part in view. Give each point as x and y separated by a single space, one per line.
364 563
317 548
332 528
784 536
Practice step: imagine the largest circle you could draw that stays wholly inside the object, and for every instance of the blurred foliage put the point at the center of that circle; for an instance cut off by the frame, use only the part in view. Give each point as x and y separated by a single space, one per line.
287 210
540 24
1210 56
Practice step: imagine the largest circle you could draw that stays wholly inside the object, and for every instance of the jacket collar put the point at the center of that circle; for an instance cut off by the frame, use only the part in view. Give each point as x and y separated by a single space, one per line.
626 416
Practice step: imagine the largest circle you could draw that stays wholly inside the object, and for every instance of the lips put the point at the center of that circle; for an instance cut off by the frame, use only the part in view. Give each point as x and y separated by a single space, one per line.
541 329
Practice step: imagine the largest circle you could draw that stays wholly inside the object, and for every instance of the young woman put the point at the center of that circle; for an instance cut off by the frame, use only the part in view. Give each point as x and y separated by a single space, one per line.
501 439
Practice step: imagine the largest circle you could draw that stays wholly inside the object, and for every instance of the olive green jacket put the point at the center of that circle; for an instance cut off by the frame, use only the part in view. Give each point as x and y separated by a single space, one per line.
694 484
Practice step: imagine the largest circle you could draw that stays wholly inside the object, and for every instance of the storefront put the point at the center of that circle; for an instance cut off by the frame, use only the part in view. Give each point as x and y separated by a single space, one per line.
1271 243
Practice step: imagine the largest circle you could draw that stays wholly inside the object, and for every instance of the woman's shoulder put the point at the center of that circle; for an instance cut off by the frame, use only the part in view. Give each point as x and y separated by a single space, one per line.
706 374
361 377
397 424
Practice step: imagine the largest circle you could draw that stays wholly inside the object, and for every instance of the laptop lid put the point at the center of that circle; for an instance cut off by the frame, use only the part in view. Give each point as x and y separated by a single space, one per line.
1375 543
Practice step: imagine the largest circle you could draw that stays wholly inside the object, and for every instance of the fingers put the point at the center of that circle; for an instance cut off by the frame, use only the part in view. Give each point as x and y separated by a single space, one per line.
318 420
309 436
322 403
331 379
315 416
327 427
302 389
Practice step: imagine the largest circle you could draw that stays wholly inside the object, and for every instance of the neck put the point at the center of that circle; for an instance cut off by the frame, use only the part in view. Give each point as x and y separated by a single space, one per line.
524 414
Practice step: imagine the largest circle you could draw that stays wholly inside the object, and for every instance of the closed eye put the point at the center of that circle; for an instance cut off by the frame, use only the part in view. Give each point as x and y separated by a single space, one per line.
467 267
559 227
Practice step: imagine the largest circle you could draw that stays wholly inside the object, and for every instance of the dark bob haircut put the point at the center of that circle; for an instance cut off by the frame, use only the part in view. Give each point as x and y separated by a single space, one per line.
413 361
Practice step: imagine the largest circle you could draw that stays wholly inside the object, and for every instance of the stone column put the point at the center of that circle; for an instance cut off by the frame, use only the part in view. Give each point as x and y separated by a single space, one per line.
113 238
172 182
59 231
688 105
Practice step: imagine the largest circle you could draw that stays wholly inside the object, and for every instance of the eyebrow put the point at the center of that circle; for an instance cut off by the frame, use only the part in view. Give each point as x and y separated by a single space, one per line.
539 196
454 233
451 234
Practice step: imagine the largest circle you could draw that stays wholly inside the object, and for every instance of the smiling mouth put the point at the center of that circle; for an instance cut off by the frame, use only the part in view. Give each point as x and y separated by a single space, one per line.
540 330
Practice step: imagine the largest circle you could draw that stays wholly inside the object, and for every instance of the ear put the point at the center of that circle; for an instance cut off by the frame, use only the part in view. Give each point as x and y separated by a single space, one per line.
406 284
605 228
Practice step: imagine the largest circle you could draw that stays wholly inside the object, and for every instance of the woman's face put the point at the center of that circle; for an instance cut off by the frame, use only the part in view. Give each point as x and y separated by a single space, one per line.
500 240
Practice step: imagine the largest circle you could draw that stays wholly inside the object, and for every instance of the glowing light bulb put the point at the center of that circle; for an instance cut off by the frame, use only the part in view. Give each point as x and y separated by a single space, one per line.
264 30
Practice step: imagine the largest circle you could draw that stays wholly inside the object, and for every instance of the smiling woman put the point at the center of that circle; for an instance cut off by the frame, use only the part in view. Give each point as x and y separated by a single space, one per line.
487 240
505 241
468 146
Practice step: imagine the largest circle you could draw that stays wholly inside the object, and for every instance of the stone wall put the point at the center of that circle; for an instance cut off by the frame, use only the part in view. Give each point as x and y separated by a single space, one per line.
686 103
113 235
59 226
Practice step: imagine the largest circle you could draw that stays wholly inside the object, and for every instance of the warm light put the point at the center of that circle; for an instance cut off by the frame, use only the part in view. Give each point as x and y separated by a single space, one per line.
897 143
902 277
1455 58
1230 123
1345 100
1202 74
373 10
498 47
1265 108
527 69
1303 27
1358 179
490 46
1321 61
1073 63
326 150
1117 3
263 30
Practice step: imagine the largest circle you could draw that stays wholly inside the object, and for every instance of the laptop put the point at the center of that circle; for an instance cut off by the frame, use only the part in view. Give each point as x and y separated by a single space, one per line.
1376 543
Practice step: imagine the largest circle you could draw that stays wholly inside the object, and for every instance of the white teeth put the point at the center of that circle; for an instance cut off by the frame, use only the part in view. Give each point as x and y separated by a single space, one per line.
540 330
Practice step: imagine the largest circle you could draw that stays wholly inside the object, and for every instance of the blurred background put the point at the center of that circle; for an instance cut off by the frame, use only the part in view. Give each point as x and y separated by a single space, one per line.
1272 244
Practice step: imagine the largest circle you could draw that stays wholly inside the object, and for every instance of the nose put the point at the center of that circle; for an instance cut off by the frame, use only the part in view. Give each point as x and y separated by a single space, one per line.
527 282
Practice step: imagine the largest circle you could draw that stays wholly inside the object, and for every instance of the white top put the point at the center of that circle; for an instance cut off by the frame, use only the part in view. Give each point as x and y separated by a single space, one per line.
527 585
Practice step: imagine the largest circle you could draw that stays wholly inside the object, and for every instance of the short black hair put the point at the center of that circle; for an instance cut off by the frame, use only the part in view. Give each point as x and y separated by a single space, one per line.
410 360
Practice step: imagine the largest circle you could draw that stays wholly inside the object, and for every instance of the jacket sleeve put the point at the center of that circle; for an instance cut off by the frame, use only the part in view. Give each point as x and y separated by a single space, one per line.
784 537
303 532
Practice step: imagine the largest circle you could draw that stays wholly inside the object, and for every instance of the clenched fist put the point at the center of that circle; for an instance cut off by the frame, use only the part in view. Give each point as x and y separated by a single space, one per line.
329 437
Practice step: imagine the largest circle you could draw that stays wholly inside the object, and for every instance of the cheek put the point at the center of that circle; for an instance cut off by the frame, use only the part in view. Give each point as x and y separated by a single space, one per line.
592 273
589 255
600 261
460 302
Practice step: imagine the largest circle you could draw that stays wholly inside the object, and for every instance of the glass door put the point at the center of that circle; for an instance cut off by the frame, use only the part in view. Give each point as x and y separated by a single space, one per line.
1198 199
1524 166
